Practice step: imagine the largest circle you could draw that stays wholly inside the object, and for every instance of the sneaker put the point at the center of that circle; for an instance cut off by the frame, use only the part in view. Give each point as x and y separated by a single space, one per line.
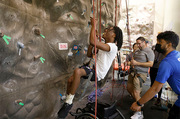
137 115
63 112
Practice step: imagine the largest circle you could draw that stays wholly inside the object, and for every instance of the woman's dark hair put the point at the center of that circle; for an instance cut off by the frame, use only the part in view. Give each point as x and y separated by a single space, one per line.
134 44
119 36
170 37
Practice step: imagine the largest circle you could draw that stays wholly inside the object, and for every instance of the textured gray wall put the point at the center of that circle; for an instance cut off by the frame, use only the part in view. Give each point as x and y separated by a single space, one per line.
23 77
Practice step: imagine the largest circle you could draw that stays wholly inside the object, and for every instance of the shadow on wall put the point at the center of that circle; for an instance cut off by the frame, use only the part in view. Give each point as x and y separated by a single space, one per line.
35 64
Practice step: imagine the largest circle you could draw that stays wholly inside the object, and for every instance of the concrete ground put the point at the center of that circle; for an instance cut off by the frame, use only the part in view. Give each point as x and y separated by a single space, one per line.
119 93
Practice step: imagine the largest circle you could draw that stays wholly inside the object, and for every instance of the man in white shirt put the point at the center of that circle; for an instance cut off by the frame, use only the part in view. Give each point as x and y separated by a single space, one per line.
106 54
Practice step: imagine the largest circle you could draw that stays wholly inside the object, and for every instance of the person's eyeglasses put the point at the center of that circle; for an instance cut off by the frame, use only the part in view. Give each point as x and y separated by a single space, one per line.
139 43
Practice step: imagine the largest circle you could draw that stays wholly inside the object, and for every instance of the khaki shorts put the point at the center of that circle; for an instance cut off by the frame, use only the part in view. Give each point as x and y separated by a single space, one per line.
137 80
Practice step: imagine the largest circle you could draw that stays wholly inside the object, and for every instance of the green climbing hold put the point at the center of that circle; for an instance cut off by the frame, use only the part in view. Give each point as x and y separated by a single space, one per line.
71 17
42 36
5 39
42 59
21 104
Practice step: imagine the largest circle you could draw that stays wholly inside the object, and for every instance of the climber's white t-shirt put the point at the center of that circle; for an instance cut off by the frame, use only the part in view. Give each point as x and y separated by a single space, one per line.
104 60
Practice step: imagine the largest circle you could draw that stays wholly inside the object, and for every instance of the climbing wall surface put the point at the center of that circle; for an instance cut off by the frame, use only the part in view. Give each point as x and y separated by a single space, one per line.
42 42
141 22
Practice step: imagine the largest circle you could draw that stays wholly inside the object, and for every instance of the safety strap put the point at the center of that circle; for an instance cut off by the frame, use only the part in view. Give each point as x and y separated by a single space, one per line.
119 59
140 80
87 84
139 77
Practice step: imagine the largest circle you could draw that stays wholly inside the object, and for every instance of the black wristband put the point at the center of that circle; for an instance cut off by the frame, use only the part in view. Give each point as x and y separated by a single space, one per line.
139 104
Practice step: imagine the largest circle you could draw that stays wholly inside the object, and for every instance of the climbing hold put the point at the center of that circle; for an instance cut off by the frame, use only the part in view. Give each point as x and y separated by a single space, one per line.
70 53
85 48
1 34
36 57
89 23
103 23
37 31
75 47
42 36
69 15
62 97
103 3
5 39
19 101
21 104
80 47
42 59
20 46
83 12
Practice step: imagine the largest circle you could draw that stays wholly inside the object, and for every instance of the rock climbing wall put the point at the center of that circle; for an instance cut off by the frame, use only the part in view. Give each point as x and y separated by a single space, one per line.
141 22
41 43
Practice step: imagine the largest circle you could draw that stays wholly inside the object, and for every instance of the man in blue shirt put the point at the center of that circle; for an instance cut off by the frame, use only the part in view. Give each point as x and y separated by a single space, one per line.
169 70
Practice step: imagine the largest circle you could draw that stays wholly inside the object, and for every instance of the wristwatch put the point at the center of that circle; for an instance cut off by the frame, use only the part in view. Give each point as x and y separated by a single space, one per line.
139 104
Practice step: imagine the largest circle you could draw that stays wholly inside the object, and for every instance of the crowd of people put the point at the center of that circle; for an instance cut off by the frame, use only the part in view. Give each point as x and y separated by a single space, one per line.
163 61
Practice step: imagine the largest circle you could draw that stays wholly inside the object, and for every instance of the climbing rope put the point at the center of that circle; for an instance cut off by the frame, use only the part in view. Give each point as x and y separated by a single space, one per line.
95 59
115 12
127 24
100 22
97 10
129 40
128 32
99 40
